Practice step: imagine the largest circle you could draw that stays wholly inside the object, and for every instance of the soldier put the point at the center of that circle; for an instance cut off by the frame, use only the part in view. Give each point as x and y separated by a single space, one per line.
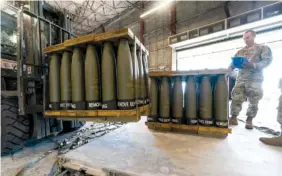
276 141
249 79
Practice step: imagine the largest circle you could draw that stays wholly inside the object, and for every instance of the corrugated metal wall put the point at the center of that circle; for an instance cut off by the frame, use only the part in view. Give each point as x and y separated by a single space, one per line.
189 15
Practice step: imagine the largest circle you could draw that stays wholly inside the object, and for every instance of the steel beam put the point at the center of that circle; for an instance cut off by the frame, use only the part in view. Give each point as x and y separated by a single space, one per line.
173 18
20 84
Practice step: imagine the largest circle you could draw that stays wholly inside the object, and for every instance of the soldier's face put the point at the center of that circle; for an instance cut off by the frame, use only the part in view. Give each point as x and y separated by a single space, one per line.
249 38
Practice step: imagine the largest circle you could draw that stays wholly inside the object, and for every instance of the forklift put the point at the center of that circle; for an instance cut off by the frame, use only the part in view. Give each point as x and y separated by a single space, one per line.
26 28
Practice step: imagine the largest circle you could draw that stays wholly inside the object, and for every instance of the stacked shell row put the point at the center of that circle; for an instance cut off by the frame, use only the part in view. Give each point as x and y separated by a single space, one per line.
95 79
203 101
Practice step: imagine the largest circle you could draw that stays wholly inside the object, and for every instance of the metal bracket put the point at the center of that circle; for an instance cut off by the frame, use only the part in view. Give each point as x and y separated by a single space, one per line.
9 94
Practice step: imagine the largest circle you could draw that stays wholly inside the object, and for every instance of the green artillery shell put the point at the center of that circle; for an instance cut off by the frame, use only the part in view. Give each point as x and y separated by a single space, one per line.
54 82
191 102
164 103
77 80
92 85
177 106
137 76
154 97
66 81
205 102
142 80
145 67
108 77
221 102
125 88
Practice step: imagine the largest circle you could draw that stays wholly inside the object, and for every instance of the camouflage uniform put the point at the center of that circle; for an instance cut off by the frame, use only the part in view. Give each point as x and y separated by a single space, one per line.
276 141
249 81
279 113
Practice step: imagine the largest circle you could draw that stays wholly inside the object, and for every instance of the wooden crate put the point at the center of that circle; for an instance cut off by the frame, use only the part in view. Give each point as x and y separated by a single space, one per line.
81 41
190 129
98 115
186 73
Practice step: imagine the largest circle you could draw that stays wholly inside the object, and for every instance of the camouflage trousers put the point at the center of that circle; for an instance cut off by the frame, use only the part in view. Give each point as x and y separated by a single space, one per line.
279 113
242 90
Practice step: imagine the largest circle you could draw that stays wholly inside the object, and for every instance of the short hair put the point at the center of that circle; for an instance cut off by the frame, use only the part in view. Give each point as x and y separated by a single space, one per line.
251 31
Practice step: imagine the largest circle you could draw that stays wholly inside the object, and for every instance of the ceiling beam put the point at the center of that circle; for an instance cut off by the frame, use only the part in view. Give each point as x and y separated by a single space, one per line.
57 4
92 10
115 18
105 4
133 4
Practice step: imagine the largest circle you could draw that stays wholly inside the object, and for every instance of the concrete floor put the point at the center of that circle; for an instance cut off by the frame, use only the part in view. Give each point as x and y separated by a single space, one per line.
267 114
11 165
135 149
145 152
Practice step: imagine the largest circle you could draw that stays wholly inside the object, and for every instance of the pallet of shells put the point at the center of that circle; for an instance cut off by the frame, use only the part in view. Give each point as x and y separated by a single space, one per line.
195 101
99 76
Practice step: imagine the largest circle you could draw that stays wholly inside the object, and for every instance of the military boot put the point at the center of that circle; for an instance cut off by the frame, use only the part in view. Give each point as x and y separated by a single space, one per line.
233 120
249 123
274 141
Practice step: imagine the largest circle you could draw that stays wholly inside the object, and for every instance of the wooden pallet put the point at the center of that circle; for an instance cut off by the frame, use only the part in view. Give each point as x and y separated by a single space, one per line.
186 73
98 115
112 36
192 129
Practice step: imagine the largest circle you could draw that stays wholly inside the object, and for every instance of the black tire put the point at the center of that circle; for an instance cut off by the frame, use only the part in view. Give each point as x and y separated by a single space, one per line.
15 129
3 84
68 127
81 123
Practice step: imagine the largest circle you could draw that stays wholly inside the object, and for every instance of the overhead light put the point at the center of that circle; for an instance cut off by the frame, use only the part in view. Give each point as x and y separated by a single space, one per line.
166 2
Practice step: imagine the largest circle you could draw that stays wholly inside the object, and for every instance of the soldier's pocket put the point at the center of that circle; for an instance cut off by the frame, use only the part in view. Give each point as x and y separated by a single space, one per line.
255 91
237 92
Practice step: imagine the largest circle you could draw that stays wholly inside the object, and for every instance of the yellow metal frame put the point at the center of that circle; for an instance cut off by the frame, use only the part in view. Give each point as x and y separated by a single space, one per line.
103 119
90 38
96 113
187 128
214 130
79 40
186 73
54 48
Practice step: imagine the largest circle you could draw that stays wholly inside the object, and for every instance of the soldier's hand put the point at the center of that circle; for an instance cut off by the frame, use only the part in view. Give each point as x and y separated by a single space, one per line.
249 65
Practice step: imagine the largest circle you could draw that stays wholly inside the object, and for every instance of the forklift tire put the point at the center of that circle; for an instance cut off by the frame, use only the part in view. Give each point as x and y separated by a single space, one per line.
68 127
3 84
15 129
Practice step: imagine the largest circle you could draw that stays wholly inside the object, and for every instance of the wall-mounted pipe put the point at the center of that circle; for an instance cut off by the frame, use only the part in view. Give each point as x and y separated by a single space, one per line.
226 9
142 25
173 18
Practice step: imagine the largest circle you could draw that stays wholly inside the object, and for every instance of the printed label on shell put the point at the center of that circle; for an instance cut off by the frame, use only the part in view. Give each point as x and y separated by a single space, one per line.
222 124
164 120
73 106
126 104
104 106
206 122
94 105
193 121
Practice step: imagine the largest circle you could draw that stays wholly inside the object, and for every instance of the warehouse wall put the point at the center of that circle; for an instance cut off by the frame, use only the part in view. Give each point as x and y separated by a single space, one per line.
189 15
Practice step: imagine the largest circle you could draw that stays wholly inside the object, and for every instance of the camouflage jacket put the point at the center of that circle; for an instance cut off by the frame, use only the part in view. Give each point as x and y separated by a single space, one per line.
260 55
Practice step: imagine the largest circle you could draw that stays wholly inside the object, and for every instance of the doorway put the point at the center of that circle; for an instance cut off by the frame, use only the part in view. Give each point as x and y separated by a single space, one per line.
218 55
